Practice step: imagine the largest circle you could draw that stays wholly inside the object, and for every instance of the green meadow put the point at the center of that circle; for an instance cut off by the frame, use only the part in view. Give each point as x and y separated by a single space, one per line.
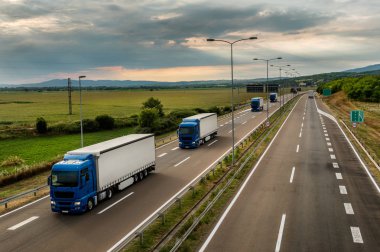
20 107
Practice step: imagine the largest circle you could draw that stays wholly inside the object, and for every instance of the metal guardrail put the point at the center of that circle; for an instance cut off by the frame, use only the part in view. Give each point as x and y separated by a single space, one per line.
160 213
21 195
361 145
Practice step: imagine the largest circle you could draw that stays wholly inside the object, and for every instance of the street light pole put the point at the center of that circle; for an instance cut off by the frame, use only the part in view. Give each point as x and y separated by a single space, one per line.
267 89
80 108
280 68
232 89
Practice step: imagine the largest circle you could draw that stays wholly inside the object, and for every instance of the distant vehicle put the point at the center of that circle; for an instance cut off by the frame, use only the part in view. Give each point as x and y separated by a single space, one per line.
311 95
293 90
196 130
88 175
257 104
273 97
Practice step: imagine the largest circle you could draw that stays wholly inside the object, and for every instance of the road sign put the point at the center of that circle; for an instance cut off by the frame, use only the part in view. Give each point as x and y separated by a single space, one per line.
354 124
357 116
326 92
260 88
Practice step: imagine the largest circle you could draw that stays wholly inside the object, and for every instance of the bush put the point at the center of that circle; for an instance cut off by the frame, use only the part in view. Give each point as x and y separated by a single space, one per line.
90 125
181 113
41 125
215 109
105 122
200 110
154 103
148 118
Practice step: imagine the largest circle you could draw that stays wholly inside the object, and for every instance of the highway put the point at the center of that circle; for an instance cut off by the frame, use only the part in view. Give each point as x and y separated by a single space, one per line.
36 228
309 192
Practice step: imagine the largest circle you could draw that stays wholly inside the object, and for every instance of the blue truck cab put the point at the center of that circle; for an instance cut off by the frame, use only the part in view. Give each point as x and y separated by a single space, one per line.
72 184
257 104
197 129
188 134
273 97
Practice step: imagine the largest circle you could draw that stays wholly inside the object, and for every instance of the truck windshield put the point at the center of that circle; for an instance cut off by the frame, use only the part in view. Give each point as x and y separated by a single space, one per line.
64 178
186 131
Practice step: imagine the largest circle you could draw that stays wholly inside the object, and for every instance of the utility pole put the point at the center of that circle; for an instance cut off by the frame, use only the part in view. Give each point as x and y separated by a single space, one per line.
69 93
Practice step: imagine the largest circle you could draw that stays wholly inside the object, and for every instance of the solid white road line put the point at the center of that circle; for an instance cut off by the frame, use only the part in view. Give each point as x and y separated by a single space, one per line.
342 189
280 233
23 223
181 162
105 209
335 165
292 175
175 148
338 175
212 143
356 235
348 208
331 150
163 154
298 147
333 156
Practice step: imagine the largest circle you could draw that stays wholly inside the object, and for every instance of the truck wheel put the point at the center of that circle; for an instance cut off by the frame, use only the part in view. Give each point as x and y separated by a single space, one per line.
135 178
141 175
109 193
90 205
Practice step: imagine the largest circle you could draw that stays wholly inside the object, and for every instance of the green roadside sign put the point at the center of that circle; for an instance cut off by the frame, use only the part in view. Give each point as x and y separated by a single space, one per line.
326 92
357 116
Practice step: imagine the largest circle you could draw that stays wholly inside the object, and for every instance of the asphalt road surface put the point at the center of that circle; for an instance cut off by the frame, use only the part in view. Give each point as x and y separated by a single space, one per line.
36 228
308 193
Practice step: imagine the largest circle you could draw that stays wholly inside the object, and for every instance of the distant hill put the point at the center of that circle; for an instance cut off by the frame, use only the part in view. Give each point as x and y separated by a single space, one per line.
370 68
62 83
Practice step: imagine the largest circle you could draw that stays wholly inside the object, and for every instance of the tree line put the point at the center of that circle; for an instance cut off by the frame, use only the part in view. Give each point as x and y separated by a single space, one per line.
365 89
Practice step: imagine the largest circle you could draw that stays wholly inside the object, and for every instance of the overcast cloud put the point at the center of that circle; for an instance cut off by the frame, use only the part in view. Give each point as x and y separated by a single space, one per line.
149 40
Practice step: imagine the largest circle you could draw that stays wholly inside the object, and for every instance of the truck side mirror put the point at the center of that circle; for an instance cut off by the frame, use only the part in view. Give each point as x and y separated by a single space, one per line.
87 177
49 180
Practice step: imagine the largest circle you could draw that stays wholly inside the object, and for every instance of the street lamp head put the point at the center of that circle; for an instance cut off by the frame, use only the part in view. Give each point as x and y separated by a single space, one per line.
210 39
287 65
253 37
82 76
279 58
255 59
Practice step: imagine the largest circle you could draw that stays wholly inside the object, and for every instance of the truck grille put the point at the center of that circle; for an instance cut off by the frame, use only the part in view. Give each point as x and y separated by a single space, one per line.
64 195
186 138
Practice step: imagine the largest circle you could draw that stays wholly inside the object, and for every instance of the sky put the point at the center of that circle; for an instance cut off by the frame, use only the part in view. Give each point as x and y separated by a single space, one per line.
165 40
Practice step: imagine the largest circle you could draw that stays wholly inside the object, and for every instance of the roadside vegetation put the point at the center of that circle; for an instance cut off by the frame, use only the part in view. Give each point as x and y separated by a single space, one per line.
34 150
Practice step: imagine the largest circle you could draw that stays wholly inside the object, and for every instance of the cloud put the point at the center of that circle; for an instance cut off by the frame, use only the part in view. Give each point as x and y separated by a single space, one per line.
40 38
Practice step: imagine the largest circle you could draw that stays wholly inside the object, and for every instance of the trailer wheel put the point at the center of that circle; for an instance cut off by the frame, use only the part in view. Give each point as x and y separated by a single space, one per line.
141 175
90 205
109 193
135 178
145 172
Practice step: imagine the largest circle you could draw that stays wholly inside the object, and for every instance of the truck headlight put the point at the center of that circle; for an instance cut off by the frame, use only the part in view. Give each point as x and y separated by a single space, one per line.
52 202
77 203
193 142
180 142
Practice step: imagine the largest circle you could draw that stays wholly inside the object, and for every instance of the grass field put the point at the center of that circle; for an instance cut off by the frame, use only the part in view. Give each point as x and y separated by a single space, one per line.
24 107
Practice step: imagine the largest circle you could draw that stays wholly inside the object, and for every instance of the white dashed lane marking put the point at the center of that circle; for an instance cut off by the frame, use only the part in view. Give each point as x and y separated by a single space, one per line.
23 223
